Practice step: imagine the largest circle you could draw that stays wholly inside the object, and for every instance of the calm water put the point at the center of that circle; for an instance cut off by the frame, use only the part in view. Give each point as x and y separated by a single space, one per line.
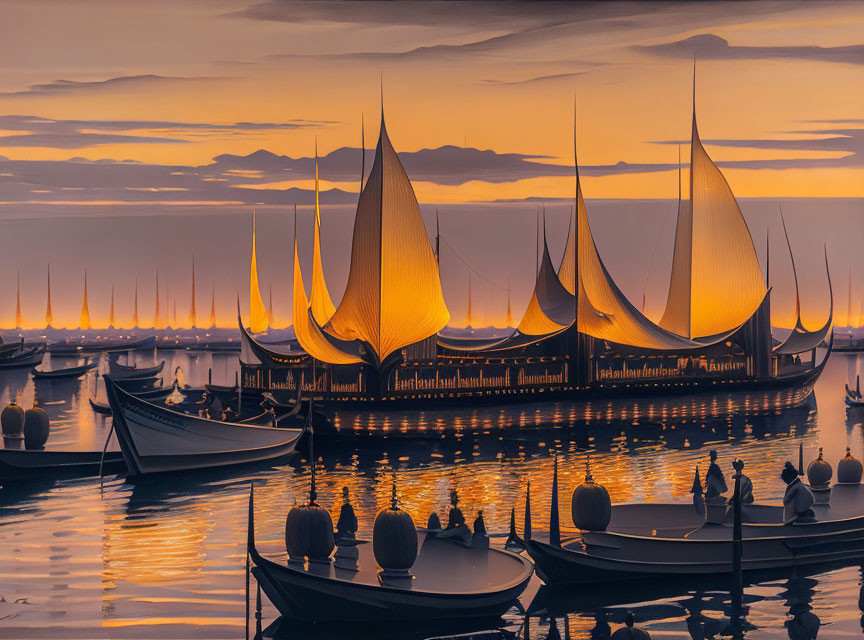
165 557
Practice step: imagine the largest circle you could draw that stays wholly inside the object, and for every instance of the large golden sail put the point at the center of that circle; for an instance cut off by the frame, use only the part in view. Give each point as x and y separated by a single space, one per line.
393 297
320 301
257 310
85 307
307 332
551 308
716 282
604 311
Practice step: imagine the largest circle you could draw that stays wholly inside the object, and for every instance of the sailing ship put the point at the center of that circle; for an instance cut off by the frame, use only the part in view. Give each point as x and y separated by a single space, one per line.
382 348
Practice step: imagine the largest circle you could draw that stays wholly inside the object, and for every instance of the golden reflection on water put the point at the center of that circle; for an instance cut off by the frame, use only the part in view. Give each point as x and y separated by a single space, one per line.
169 551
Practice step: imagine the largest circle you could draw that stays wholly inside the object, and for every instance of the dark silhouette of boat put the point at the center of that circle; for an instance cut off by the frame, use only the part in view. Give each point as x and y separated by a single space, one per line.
17 462
156 438
450 581
119 371
68 372
24 357
96 346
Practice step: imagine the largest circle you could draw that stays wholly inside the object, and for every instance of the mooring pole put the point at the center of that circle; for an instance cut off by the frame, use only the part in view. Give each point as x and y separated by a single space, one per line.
737 590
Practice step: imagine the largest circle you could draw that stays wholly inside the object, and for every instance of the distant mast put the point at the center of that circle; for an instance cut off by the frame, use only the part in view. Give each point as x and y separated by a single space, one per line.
174 320
193 316
469 320
111 312
18 317
257 310
213 307
135 307
49 316
319 299
270 320
157 316
849 305
85 307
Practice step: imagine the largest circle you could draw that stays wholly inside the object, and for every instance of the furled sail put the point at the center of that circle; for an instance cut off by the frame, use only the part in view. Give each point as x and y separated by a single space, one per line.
213 307
716 282
49 315
85 307
135 307
307 332
158 323
257 310
321 304
393 297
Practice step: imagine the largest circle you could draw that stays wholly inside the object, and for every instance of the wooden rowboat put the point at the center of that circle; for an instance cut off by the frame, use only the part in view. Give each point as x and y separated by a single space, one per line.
450 581
121 371
17 462
653 541
68 372
26 357
156 438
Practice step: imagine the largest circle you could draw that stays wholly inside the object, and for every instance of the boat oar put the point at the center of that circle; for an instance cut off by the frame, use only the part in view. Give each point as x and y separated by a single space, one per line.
249 542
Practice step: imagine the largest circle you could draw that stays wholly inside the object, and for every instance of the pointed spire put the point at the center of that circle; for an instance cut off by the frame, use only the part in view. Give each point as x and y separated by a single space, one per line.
85 307
527 533
800 458
174 319
18 317
111 311
135 307
697 489
394 500
213 307
313 494
554 524
49 315
193 315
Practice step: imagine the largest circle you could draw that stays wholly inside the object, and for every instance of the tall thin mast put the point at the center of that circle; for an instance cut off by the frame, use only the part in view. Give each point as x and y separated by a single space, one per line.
470 322
270 312
157 316
362 150
49 316
509 318
437 240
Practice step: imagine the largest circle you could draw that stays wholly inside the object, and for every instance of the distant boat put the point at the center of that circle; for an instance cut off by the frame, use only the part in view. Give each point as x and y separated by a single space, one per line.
68 372
118 371
95 346
25 357
157 439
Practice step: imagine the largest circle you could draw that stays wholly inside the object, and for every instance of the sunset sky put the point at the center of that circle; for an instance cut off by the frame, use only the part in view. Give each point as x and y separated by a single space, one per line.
114 110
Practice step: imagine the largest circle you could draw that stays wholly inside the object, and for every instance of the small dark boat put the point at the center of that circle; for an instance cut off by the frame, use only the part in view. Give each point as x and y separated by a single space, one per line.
154 395
225 346
99 407
68 372
155 438
121 371
449 580
27 357
16 462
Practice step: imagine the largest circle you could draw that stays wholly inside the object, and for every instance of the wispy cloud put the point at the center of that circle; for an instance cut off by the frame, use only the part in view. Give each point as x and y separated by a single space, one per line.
550 78
712 47
78 134
65 87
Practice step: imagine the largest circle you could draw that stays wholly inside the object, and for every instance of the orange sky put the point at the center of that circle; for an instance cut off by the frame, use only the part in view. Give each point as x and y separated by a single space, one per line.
461 75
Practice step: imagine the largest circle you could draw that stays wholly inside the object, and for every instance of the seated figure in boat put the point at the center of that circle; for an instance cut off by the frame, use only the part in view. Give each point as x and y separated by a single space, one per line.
346 526
480 538
746 484
456 527
715 483
798 501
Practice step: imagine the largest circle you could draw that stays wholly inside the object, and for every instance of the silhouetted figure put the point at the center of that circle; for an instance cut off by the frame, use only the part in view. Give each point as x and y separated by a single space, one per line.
746 487
629 631
715 483
346 526
797 500
455 517
480 537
